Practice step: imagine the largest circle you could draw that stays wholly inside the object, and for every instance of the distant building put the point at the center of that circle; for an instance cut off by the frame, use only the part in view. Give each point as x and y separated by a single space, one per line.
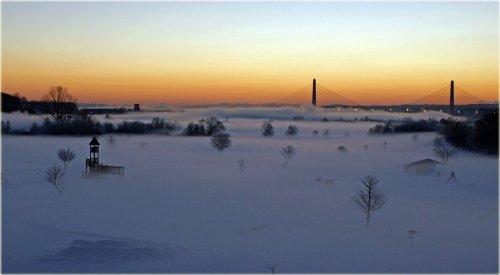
421 167
137 108
103 110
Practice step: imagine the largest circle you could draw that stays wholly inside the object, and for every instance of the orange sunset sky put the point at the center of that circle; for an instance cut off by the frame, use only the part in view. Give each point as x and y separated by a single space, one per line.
248 52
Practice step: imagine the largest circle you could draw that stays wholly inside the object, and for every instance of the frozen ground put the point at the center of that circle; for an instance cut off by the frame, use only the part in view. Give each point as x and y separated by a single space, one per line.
183 207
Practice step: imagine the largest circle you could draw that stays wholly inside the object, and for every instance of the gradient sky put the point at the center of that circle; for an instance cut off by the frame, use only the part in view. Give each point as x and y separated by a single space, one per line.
248 52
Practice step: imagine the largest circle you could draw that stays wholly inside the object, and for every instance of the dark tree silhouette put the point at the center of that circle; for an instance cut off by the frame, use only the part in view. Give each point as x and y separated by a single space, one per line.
267 128
194 129
342 149
213 126
292 130
288 152
242 164
54 175
221 141
486 133
442 149
66 155
60 104
457 133
370 197
84 123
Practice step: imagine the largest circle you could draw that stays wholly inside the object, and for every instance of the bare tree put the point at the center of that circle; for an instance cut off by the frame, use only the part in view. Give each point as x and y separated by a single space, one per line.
442 149
288 152
213 126
370 197
221 141
54 175
242 164
271 268
60 104
66 155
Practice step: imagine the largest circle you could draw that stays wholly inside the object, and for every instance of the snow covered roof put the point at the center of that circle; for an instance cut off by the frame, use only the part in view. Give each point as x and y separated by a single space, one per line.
424 161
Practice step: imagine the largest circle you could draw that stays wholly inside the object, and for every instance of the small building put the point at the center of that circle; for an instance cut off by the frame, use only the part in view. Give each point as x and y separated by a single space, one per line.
422 167
137 107
93 161
92 164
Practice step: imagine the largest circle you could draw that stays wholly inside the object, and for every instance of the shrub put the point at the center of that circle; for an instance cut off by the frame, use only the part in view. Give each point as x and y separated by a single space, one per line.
342 149
157 123
292 130
134 127
204 127
242 164
66 155
161 125
288 152
54 175
108 127
171 125
406 125
84 124
267 128
194 129
80 124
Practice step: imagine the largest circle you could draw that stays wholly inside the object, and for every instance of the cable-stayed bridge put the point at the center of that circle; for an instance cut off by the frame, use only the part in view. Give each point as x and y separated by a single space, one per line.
317 95
450 98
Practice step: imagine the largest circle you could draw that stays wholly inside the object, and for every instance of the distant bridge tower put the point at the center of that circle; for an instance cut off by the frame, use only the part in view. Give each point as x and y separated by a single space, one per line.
452 98
314 93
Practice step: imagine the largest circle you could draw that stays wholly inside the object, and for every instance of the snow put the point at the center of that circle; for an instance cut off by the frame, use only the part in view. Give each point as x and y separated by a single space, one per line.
183 207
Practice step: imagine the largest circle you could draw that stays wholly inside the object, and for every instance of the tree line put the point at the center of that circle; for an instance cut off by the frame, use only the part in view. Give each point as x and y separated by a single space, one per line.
479 135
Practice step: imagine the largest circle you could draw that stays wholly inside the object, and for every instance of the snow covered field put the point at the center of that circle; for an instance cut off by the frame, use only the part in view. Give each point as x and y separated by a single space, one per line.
183 207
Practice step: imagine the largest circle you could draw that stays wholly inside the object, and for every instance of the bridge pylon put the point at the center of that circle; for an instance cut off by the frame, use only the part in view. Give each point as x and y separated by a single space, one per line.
314 92
452 98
